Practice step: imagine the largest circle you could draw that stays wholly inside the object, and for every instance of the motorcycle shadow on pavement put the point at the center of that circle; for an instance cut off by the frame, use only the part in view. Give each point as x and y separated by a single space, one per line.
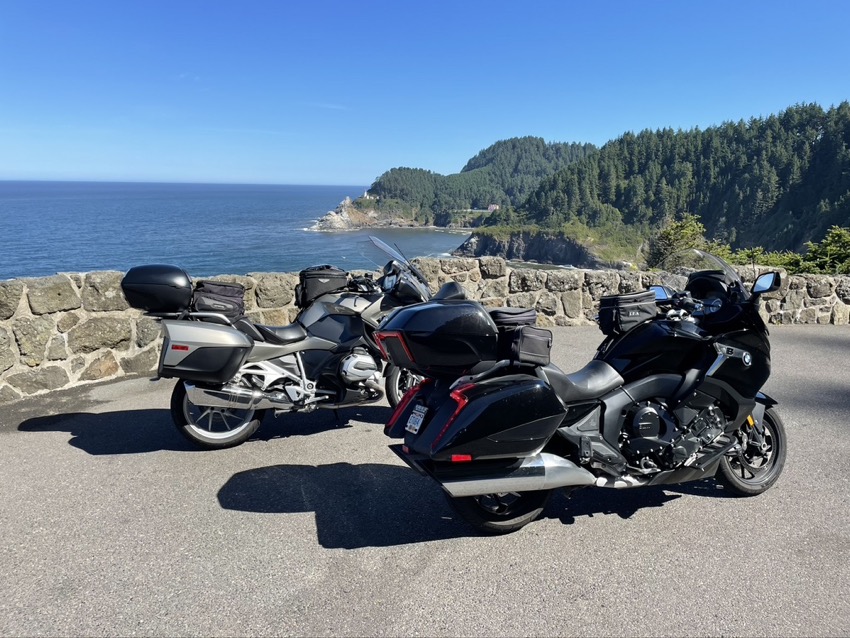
367 505
304 424
125 432
378 505
143 431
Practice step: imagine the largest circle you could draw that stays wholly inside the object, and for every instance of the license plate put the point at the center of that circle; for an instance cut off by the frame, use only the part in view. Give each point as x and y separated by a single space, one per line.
415 420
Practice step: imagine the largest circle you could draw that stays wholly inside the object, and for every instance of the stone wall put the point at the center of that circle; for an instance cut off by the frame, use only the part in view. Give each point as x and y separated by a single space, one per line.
72 329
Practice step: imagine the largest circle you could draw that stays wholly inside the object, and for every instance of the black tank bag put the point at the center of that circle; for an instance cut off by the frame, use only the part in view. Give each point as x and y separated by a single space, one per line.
316 281
222 298
621 313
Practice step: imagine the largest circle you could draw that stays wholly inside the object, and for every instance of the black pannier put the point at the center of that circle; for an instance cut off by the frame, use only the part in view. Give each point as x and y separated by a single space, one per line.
159 288
621 313
219 297
316 281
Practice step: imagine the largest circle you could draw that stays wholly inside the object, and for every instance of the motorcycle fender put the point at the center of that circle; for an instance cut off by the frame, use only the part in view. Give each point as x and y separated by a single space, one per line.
508 417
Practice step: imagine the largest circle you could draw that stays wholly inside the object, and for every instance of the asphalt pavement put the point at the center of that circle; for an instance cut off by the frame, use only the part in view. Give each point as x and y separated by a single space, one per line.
112 524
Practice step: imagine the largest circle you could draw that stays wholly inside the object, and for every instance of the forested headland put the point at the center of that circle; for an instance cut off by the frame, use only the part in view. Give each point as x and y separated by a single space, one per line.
775 184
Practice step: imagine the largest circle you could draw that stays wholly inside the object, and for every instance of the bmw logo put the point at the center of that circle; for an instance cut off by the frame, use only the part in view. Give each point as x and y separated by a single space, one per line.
748 359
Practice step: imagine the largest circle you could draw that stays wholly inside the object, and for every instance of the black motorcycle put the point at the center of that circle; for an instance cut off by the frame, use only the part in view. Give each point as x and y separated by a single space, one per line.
231 370
672 395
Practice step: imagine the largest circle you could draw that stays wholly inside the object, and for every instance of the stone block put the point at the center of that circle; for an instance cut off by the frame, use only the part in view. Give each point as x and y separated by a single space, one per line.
8 355
808 315
275 291
548 303
842 289
100 332
429 267
840 314
147 331
142 363
7 394
32 335
38 379
276 317
67 321
818 286
493 288
630 282
572 303
526 280
101 292
492 267
11 293
563 280
460 264
601 282
522 300
102 367
51 294
494 302
56 350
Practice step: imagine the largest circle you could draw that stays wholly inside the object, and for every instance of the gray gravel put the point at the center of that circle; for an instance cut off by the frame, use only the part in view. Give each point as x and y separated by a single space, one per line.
111 524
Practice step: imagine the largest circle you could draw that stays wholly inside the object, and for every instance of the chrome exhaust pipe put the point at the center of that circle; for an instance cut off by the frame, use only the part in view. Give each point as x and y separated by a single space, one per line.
539 472
234 398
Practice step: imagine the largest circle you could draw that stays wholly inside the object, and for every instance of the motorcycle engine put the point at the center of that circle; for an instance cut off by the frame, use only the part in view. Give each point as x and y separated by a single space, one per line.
357 368
647 435
652 439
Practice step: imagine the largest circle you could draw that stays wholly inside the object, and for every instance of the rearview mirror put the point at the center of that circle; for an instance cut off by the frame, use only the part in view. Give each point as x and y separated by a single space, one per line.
768 282
662 293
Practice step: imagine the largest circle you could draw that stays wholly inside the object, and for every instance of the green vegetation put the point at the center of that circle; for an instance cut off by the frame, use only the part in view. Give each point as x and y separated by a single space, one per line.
830 256
775 188
503 174
776 182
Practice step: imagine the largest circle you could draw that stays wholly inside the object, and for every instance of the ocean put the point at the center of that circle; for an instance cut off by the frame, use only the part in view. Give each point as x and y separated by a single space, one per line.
206 229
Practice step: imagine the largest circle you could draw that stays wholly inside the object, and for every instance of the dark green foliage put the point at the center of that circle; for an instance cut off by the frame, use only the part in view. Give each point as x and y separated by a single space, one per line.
776 182
503 174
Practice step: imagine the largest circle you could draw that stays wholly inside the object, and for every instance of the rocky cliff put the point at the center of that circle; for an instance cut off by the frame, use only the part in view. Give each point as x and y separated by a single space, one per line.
524 246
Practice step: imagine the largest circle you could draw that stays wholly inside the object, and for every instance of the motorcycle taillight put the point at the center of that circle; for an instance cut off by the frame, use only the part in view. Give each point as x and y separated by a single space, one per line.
459 395
394 348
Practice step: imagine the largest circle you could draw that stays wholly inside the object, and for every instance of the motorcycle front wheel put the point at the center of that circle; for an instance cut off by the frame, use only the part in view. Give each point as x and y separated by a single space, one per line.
754 468
212 428
500 513
398 382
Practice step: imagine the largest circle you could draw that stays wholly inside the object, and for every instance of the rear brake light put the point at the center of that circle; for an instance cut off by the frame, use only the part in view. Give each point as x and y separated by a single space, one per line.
461 458
461 399
381 337
402 405
177 346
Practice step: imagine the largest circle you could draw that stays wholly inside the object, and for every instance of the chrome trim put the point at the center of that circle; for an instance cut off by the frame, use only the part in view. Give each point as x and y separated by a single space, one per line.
539 472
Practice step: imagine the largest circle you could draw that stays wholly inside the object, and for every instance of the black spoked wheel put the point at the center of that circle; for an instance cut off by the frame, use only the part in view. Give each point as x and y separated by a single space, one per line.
760 459
501 513
212 428
398 382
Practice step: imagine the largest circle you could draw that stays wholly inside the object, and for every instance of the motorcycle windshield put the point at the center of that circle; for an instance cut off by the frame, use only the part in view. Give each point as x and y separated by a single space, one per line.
676 268
390 251
418 279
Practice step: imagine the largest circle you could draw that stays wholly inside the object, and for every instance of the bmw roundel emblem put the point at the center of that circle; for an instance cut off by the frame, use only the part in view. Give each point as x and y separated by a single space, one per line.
748 358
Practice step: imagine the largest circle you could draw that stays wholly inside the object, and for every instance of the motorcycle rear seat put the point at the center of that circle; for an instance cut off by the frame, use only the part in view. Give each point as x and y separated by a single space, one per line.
283 335
594 380
280 336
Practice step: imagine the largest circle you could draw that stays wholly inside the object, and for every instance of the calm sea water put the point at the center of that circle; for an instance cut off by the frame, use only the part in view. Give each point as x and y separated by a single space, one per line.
207 229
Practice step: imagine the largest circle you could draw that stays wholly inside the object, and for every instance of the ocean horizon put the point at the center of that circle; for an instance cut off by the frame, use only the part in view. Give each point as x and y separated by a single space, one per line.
48 227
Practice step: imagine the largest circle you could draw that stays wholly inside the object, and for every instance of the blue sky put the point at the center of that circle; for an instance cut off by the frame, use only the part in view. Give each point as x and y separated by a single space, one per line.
337 92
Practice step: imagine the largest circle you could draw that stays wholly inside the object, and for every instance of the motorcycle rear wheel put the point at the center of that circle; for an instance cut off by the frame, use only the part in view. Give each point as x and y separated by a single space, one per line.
501 513
398 382
212 428
754 470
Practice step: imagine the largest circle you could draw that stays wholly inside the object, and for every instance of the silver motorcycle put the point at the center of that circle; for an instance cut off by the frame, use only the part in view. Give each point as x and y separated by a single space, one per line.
231 371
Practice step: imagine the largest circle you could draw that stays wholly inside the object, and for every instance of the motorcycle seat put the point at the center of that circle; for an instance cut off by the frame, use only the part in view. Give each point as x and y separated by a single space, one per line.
594 380
282 335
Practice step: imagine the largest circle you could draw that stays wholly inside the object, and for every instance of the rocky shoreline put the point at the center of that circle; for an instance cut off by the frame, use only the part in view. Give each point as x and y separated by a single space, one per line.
348 217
